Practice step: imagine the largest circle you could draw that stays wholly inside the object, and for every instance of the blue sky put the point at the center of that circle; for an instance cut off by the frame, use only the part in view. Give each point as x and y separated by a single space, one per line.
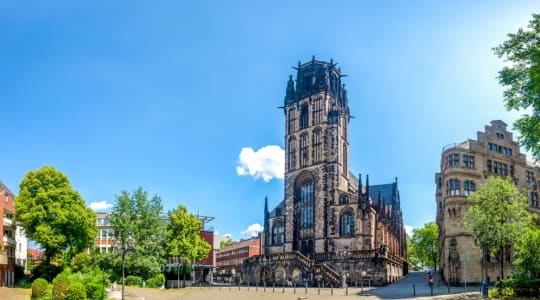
166 94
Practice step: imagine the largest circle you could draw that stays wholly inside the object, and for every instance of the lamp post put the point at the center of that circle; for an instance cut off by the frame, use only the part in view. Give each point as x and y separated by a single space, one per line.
362 282
128 246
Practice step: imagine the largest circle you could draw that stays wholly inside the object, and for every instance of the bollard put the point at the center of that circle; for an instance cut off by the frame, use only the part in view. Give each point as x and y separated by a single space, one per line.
239 287
229 287
346 290
256 287
332 289
356 283
294 287
283 291
273 287
306 287
264 289
414 290
319 290
200 285
448 285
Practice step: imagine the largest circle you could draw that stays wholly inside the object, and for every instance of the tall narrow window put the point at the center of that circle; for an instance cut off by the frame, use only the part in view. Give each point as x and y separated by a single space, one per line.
278 233
306 202
347 224
304 152
317 111
533 197
292 154
292 120
304 117
530 177
345 162
317 145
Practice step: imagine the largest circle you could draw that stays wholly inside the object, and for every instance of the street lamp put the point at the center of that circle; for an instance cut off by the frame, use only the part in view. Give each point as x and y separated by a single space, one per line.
362 282
128 246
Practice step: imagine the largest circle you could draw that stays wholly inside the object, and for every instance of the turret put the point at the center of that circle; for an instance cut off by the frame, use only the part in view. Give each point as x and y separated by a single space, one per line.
290 94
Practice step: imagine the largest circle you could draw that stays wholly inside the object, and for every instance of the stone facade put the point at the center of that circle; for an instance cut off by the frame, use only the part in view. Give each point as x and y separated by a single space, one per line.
329 224
464 166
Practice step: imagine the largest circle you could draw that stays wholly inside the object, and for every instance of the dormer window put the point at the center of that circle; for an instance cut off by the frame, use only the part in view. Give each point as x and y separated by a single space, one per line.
500 136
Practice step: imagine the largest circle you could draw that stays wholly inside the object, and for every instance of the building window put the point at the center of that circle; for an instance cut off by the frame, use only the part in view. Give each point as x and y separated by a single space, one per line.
304 117
307 195
468 161
278 233
344 199
345 162
500 136
317 145
468 187
317 112
530 177
304 153
292 120
292 154
453 187
533 197
347 224
452 160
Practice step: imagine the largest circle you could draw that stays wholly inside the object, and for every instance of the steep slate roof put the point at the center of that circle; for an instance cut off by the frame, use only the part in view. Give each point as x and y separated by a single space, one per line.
387 191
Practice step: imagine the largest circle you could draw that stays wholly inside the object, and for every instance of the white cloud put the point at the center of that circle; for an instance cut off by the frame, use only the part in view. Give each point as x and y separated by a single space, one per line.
100 206
252 230
268 162
408 229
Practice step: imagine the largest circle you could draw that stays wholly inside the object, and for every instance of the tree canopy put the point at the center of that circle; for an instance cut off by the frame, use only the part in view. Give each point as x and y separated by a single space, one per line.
183 237
498 215
53 214
527 260
522 80
137 224
424 245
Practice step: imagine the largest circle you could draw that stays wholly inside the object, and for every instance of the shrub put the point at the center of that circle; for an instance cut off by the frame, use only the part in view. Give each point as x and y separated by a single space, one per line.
76 291
133 280
39 288
60 285
95 291
156 281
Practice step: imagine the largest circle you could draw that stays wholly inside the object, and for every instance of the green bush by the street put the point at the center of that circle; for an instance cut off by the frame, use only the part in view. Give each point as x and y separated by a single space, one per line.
76 291
39 288
61 285
133 280
156 282
95 291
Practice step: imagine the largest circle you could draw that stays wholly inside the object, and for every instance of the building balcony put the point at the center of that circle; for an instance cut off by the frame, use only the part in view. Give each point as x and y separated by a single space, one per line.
9 240
8 222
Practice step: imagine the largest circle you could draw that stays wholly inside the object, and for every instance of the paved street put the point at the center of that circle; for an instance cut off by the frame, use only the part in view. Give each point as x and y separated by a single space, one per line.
416 283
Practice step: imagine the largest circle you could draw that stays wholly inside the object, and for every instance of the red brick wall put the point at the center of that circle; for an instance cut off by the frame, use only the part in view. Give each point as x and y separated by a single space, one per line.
208 236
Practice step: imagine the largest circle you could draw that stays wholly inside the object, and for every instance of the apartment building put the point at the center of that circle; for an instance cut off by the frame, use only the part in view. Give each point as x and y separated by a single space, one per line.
7 237
230 259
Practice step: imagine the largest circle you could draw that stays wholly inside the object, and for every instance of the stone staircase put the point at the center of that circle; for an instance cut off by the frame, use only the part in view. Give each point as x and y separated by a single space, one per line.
327 273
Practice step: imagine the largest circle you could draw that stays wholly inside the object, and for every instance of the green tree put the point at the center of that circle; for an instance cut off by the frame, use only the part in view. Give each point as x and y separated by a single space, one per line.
498 215
527 260
183 239
138 229
412 256
54 215
424 244
225 243
522 80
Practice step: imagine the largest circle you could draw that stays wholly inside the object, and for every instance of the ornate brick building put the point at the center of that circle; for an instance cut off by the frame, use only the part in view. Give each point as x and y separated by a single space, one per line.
329 227
463 167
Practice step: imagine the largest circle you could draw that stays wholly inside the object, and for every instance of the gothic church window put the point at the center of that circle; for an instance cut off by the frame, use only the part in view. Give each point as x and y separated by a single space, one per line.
317 145
304 117
292 153
307 195
278 233
347 224
292 120
304 153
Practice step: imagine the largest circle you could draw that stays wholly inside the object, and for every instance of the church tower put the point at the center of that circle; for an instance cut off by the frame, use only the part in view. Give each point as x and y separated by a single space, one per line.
316 151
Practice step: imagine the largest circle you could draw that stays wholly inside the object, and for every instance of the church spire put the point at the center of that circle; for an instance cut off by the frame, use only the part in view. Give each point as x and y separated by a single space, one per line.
266 230
290 93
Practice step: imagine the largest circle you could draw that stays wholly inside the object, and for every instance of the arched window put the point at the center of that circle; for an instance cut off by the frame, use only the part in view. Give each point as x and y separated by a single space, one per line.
304 153
468 187
304 116
347 224
292 154
278 233
453 187
344 199
307 195
317 145
292 120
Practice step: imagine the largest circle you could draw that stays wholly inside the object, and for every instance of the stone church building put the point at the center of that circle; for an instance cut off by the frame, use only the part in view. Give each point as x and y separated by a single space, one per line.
331 227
